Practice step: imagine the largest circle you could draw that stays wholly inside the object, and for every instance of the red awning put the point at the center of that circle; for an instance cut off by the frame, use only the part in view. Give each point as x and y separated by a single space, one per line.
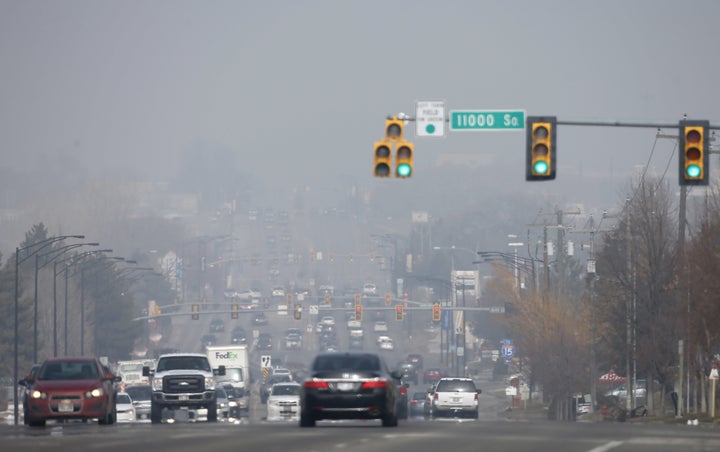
611 377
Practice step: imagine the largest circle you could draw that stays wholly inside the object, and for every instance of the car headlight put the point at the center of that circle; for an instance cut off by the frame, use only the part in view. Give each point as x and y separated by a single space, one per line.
97 392
232 403
273 402
157 384
209 383
38 395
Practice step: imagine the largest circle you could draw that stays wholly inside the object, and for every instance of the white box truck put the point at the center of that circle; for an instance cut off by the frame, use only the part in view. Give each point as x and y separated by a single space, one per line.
237 374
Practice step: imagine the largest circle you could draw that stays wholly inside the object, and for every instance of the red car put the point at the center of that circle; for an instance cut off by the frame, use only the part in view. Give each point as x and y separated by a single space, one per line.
432 376
71 388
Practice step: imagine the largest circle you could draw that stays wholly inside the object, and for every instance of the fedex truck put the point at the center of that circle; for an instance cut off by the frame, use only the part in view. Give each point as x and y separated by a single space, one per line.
237 374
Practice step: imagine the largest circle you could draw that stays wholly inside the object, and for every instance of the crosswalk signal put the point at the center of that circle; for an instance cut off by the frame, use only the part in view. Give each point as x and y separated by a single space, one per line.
358 299
393 129
234 314
436 312
327 297
298 311
358 312
383 159
399 313
195 312
694 165
541 148
404 159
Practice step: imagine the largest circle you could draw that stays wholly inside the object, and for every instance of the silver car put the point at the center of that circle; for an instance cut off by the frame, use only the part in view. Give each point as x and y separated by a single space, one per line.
141 396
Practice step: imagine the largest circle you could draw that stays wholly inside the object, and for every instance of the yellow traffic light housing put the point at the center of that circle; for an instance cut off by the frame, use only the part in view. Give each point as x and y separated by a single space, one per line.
358 312
234 314
388 299
393 129
694 163
288 299
382 158
404 159
541 148
358 299
298 311
195 311
327 297
399 313
436 314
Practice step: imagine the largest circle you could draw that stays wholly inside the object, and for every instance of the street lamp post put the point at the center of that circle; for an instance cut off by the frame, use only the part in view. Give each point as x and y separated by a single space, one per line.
73 260
18 261
55 273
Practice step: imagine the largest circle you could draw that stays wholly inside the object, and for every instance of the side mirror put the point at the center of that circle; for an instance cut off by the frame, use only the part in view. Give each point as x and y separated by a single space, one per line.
146 371
407 385
396 374
221 370
479 391
22 382
115 378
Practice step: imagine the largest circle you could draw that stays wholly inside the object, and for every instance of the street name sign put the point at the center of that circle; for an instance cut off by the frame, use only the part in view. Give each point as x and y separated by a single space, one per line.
430 118
473 120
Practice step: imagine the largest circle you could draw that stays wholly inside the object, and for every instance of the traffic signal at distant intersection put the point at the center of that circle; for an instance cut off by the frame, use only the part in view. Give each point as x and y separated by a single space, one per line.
541 149
694 152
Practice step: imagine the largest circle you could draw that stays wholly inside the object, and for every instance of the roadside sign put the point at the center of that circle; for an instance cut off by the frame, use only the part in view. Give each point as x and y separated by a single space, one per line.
714 373
473 120
430 118
314 309
266 361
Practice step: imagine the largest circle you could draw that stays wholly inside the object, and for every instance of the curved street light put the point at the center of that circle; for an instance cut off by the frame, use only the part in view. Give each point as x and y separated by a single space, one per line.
55 273
29 253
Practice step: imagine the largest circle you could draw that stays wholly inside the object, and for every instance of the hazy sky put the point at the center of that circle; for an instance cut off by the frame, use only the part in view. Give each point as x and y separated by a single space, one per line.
300 89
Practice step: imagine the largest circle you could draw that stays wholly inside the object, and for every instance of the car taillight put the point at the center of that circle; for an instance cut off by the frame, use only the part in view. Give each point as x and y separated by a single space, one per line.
435 397
413 402
403 390
374 384
316 384
476 396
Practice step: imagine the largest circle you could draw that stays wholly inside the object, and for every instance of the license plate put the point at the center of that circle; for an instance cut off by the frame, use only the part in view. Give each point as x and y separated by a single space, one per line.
346 386
65 406
456 400
183 397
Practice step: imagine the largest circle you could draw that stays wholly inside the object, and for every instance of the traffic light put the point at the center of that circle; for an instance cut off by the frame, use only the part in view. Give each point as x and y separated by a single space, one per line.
298 311
436 312
404 159
383 159
399 313
541 148
195 312
327 297
393 129
358 299
234 314
358 312
694 165
388 299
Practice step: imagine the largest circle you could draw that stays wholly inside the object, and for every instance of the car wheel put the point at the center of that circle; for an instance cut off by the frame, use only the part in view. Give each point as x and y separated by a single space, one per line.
306 421
155 413
212 412
390 420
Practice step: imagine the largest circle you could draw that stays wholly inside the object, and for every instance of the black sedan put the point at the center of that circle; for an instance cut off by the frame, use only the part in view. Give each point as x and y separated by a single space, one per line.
350 386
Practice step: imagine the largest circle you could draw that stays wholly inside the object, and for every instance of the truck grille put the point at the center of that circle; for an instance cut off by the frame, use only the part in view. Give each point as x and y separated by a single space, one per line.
183 384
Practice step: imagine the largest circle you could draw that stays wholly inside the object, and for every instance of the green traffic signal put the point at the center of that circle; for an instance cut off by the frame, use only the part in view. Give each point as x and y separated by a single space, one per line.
404 170
693 171
541 167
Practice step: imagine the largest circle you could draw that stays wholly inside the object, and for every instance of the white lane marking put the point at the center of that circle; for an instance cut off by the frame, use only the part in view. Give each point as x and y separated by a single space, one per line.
607 447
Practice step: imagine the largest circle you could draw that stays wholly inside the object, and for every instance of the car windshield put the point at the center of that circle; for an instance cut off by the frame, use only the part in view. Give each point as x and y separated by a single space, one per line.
233 374
69 370
183 362
455 386
285 390
346 362
131 367
124 398
277 378
419 395
139 392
